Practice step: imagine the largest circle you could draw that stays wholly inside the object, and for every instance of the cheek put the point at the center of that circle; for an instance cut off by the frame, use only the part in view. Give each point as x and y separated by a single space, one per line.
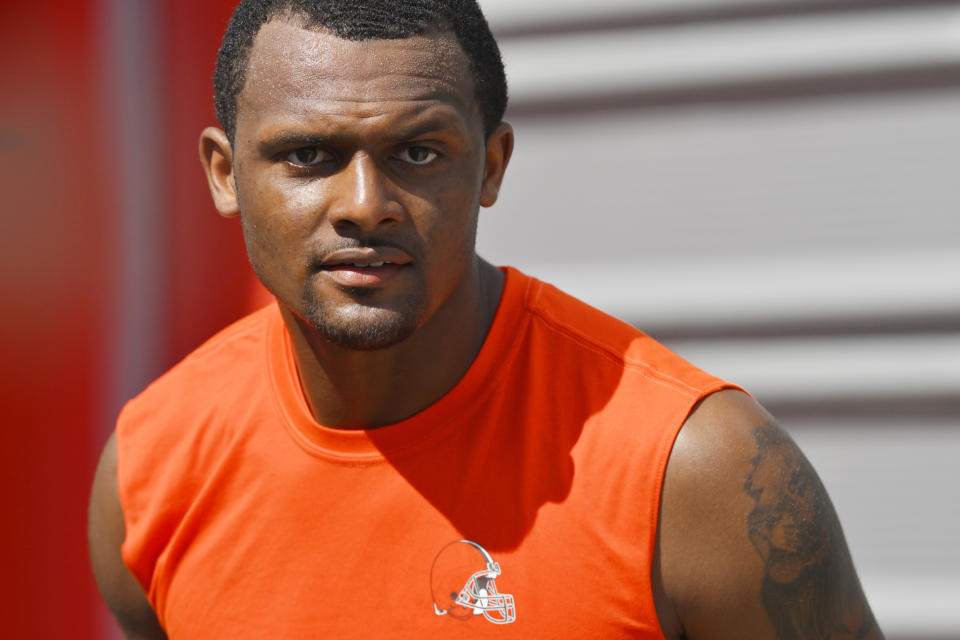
277 228
263 247
452 220
278 215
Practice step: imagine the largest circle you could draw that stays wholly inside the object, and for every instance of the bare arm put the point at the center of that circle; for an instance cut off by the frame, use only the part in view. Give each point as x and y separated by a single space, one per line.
106 532
749 543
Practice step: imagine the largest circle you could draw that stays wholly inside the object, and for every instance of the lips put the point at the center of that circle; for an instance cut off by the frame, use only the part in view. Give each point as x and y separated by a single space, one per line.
365 266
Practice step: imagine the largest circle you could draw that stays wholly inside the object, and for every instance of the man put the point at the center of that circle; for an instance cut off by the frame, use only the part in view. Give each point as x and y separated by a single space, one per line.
411 442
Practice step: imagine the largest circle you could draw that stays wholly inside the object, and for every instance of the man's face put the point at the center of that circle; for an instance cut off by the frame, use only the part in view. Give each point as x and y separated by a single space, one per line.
359 169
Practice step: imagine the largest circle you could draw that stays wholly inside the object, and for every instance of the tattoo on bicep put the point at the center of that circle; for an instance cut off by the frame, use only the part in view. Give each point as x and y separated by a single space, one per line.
810 589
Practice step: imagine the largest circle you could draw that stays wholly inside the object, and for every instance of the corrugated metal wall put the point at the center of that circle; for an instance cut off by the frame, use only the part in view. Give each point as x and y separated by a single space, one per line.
769 186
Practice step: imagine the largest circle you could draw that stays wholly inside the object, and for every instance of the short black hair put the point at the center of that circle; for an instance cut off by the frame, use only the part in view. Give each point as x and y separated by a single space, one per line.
364 20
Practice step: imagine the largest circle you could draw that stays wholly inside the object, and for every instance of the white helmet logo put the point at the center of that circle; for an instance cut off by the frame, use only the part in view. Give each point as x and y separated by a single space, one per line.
462 581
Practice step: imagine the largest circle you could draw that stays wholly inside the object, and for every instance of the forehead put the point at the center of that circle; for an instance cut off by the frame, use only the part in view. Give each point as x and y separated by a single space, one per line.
298 72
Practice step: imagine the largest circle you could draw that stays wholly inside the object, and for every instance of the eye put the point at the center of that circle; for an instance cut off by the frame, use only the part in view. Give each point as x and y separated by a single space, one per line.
418 155
307 156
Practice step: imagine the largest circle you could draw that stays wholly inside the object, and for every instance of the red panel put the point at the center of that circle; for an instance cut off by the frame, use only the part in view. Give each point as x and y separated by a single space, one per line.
56 235
210 279
58 177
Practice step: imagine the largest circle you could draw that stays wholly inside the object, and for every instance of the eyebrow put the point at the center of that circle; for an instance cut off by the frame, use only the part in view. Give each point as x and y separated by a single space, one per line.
433 123
292 140
429 124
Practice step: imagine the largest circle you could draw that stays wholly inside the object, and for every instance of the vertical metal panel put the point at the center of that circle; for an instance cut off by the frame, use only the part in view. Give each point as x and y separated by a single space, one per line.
138 147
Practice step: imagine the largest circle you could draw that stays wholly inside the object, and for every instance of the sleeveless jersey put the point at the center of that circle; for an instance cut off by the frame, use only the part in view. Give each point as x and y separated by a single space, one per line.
247 519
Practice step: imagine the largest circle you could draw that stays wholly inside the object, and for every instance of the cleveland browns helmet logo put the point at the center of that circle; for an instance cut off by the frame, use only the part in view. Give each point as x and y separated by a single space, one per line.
463 586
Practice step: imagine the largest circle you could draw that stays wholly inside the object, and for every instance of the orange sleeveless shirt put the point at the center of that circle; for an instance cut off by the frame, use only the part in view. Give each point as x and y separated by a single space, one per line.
247 519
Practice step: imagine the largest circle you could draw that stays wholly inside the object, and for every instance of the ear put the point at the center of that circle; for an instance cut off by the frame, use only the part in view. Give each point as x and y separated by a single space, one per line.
499 150
216 156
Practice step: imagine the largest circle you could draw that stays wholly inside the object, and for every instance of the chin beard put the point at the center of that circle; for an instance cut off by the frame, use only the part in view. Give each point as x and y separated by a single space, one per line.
361 327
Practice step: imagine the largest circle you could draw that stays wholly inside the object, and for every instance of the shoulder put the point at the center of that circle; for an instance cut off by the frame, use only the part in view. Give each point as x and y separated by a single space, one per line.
210 371
607 337
177 411
193 404
749 542
581 323
236 344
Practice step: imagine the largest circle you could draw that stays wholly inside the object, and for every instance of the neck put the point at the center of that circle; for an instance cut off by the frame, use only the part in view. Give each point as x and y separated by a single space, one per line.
351 389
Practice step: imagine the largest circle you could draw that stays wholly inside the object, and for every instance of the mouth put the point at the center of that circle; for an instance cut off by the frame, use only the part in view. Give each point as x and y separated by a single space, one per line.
365 266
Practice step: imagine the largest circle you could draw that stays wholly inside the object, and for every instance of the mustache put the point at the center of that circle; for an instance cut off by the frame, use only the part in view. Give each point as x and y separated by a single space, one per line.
321 251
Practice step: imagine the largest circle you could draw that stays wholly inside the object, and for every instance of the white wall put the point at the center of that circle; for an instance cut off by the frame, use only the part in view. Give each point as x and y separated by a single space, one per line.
770 187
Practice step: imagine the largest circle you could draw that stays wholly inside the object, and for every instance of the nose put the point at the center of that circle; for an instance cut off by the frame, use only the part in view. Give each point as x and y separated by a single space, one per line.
362 196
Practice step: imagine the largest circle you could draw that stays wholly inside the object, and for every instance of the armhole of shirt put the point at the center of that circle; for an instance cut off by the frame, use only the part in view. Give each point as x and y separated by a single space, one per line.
662 458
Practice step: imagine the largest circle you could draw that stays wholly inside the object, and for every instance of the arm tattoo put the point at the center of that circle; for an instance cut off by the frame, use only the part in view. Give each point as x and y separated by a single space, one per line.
810 590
